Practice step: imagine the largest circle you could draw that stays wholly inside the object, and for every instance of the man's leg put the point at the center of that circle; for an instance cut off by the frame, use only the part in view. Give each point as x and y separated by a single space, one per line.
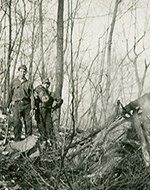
17 122
49 126
42 123
27 120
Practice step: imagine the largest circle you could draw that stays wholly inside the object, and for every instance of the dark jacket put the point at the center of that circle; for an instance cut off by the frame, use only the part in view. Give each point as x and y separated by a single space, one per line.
50 98
21 91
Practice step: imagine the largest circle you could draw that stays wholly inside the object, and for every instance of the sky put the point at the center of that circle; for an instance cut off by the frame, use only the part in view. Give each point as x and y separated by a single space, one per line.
133 22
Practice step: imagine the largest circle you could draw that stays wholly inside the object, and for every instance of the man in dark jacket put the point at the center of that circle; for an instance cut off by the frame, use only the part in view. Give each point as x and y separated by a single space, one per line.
45 101
22 103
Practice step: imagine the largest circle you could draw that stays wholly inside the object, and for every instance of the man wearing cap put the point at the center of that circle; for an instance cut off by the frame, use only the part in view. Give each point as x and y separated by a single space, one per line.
45 102
22 103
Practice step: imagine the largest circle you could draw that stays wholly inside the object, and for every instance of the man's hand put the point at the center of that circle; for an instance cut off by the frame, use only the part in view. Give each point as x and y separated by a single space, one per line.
8 110
32 112
12 104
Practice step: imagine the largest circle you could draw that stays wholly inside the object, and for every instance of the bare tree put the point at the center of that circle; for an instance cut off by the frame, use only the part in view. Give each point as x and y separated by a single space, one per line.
60 57
41 37
109 51
20 31
7 72
33 42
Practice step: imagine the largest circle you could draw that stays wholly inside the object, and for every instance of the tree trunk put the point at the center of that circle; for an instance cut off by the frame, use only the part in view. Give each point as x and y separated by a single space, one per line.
41 38
60 58
59 65
109 49
18 50
33 40
7 74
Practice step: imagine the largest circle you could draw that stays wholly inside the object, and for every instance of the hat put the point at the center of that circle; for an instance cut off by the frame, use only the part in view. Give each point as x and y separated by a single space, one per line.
46 80
23 67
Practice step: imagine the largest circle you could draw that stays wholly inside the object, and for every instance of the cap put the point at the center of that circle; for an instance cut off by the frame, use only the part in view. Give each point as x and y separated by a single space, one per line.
46 80
22 67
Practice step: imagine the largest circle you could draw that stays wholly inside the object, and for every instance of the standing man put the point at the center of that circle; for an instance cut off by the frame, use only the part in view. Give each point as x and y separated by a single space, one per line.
21 102
46 102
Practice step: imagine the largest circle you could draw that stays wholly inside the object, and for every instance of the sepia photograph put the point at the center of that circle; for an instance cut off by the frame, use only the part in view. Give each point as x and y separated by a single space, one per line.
74 95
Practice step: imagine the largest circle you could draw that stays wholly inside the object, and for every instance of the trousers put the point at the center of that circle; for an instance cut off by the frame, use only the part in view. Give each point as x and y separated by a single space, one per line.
45 123
21 110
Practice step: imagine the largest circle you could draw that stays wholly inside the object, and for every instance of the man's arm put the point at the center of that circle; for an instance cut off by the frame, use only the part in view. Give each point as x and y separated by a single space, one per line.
32 97
10 94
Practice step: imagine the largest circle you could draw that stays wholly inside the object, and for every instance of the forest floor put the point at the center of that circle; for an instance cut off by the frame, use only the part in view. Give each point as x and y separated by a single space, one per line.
34 165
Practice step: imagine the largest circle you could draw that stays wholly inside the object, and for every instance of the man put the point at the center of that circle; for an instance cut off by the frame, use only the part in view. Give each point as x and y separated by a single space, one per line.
22 103
45 101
